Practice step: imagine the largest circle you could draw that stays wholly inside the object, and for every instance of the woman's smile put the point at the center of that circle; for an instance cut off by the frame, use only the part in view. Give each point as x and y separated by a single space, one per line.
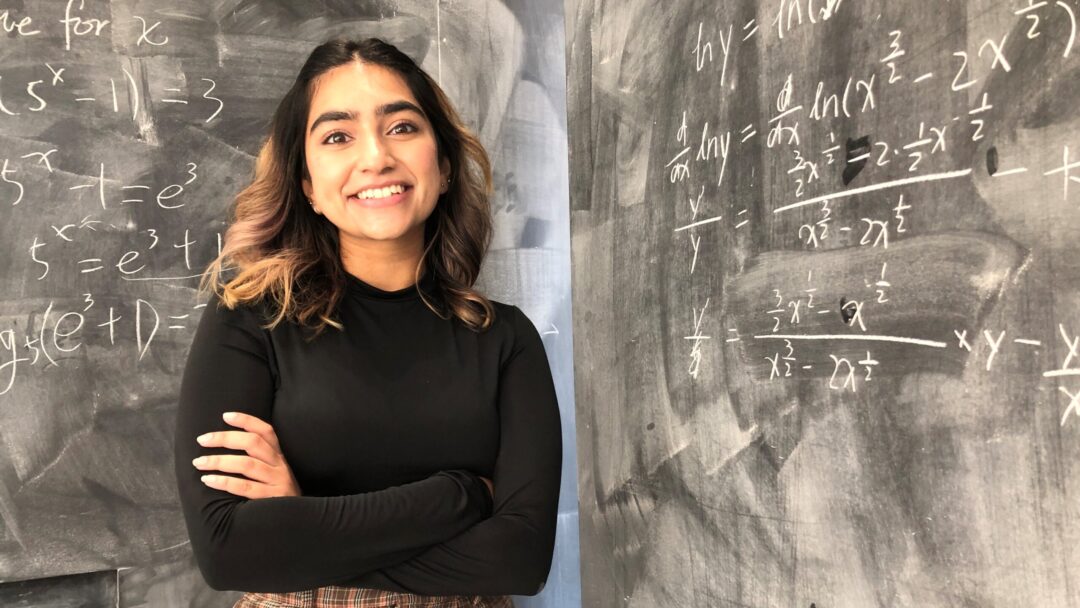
384 197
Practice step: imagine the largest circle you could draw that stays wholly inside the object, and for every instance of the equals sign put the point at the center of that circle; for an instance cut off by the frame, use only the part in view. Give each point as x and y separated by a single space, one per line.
748 25
744 222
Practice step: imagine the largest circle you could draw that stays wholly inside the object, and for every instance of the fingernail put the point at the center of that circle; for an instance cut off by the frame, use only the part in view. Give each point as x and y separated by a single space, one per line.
229 416
203 438
201 460
209 478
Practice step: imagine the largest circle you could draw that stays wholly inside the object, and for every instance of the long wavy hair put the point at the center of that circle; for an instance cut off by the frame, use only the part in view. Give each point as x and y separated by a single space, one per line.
286 254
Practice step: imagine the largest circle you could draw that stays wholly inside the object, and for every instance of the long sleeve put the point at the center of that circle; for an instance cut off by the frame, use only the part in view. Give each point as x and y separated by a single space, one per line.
509 553
297 542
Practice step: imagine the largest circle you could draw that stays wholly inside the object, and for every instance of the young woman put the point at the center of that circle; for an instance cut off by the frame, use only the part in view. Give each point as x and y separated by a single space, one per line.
357 425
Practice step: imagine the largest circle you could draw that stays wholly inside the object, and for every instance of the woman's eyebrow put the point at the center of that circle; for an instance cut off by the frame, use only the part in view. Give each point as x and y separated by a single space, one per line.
331 116
383 110
397 106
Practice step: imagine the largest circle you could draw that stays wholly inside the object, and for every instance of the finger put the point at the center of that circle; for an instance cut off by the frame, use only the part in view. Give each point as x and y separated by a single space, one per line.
251 468
236 485
255 425
251 443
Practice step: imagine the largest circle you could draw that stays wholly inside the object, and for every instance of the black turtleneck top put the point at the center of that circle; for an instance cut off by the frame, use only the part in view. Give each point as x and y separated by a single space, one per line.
386 426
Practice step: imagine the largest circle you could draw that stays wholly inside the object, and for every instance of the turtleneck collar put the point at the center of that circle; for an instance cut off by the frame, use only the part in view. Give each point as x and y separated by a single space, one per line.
359 288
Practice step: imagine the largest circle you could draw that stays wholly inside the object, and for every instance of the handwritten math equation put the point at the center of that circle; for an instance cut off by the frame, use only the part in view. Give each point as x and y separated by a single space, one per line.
122 92
51 337
820 165
89 217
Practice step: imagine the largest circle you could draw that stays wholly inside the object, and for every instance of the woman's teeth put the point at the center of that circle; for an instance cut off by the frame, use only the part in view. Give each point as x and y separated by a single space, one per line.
380 192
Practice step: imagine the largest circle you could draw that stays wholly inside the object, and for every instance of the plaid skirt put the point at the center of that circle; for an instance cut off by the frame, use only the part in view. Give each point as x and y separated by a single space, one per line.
333 596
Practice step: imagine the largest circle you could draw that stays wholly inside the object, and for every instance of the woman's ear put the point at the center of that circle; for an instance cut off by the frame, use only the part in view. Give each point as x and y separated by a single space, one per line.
444 173
305 184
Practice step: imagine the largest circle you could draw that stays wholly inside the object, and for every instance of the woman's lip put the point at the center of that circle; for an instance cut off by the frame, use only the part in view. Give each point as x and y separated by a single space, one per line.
393 199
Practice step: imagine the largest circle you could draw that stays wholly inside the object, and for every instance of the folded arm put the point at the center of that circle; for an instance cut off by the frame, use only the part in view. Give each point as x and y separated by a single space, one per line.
509 553
293 543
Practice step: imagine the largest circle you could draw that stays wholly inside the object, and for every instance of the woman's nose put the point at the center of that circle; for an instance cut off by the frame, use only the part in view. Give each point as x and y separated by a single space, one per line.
372 153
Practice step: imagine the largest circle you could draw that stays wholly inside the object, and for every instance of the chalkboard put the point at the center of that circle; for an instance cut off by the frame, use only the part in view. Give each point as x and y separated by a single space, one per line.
826 285
126 129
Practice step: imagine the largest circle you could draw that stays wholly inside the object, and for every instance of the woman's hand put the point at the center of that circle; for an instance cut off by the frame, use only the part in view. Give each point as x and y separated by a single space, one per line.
267 472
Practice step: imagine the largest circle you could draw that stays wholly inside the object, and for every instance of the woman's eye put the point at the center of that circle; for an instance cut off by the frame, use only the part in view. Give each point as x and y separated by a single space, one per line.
411 128
329 138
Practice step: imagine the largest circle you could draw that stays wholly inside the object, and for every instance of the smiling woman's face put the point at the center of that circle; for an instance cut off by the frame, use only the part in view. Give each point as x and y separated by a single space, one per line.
365 131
